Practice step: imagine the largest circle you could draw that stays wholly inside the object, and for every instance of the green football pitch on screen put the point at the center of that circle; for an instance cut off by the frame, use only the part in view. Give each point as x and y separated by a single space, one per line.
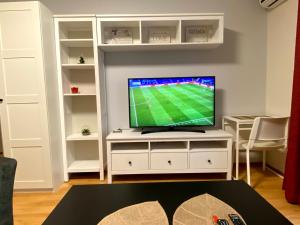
171 105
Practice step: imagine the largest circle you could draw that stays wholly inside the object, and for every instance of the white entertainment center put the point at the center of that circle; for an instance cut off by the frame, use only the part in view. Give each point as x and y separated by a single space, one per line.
131 152
81 43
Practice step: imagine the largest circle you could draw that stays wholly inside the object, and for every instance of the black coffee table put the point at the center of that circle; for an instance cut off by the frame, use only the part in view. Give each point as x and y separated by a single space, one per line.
88 204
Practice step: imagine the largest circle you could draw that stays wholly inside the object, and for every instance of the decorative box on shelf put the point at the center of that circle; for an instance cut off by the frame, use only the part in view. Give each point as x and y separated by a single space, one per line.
198 33
159 35
118 36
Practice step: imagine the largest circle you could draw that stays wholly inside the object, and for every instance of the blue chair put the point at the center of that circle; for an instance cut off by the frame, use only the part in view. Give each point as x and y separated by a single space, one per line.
7 177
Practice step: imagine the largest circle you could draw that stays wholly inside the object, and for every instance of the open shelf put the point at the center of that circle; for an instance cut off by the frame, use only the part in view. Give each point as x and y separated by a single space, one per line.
172 146
71 55
83 156
80 137
130 147
201 31
75 30
161 31
76 42
84 80
110 29
80 112
208 145
83 166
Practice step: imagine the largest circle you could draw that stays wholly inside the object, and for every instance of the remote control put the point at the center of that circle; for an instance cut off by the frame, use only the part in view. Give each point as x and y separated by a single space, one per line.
222 222
236 220
117 130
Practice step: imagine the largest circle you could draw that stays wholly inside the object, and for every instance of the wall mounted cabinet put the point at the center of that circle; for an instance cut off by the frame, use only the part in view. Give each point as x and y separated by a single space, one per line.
160 32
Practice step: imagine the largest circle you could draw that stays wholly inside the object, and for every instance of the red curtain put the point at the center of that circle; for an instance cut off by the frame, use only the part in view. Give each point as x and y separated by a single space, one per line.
291 182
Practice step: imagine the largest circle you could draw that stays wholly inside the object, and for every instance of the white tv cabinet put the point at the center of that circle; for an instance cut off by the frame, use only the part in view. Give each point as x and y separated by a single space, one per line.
130 152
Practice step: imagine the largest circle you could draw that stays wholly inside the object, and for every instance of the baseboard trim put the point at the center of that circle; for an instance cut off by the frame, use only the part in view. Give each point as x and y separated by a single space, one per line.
274 171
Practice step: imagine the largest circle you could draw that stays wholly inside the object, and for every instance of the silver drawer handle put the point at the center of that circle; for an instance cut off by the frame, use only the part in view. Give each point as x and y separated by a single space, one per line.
209 161
130 163
170 162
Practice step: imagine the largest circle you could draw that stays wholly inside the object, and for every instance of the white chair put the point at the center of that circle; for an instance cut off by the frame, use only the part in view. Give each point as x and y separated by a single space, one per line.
267 134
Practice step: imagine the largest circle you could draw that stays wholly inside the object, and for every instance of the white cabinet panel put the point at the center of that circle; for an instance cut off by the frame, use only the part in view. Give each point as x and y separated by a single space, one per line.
16 29
28 158
24 75
24 121
21 76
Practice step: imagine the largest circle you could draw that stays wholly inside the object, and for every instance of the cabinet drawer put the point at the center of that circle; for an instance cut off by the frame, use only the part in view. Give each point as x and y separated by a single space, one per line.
137 161
208 160
166 161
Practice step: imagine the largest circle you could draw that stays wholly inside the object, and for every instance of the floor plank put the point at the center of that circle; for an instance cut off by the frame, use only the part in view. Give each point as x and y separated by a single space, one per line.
33 208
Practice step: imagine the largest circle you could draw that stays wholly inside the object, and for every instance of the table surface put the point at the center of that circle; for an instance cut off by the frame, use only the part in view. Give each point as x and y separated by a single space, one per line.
136 135
244 119
88 204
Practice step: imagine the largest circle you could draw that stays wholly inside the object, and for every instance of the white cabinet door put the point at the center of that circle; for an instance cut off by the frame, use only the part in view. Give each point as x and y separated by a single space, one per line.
23 110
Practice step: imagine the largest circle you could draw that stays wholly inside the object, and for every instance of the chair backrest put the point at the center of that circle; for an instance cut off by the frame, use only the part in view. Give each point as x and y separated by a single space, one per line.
7 177
269 129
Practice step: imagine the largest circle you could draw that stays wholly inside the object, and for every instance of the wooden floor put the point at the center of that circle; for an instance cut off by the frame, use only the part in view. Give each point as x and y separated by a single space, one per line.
33 208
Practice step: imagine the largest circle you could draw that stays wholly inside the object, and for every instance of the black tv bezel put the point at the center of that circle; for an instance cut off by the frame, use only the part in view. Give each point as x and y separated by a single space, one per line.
191 126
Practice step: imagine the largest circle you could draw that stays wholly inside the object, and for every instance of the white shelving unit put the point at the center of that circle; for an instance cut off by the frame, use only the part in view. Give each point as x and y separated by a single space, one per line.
77 37
90 36
174 26
130 152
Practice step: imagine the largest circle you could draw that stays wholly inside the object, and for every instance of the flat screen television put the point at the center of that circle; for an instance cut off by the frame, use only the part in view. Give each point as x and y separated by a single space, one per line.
171 102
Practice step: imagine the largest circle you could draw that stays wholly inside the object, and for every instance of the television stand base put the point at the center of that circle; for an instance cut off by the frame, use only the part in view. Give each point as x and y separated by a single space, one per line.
169 129
130 152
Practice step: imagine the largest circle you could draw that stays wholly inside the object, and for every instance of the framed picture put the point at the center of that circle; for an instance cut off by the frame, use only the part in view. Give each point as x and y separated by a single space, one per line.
118 36
159 35
197 33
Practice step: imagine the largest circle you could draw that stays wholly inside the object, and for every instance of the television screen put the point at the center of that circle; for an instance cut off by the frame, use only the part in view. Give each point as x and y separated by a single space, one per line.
171 102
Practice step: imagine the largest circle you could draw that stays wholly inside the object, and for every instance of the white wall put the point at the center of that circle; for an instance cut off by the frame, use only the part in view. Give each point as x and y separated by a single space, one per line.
135 6
281 35
239 65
